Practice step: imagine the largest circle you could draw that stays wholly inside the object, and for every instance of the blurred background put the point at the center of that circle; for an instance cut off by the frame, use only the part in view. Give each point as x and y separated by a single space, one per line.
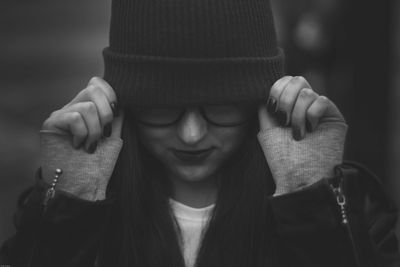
348 50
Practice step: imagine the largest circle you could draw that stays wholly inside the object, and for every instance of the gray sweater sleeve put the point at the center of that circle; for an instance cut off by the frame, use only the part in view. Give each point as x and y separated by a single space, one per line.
84 175
296 164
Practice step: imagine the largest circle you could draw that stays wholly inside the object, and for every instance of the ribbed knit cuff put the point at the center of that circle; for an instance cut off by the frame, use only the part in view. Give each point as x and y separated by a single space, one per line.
84 175
163 81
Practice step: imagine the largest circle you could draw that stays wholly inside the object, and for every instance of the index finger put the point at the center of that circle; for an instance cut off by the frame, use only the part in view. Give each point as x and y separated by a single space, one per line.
108 90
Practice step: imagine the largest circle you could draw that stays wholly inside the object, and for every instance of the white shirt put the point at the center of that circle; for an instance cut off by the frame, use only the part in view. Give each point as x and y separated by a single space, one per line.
191 222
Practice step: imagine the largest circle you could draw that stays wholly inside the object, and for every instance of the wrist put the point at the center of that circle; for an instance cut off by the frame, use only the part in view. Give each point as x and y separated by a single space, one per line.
287 188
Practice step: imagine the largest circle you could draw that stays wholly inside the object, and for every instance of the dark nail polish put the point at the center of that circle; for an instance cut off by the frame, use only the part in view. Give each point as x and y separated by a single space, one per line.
107 130
271 105
308 126
92 147
114 107
274 107
281 117
296 133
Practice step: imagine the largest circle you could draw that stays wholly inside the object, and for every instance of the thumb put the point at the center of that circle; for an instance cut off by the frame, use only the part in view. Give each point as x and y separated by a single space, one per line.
117 125
267 121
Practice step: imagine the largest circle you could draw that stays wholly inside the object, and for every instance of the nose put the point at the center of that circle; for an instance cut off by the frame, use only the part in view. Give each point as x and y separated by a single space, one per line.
192 127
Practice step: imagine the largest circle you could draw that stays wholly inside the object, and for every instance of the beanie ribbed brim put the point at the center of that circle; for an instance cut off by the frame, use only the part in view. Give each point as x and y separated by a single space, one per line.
162 81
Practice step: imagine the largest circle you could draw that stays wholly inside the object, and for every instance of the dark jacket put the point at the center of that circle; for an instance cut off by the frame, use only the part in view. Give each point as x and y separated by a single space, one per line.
343 221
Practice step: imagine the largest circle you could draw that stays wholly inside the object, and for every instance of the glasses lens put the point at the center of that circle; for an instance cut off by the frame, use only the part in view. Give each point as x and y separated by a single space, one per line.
227 114
158 116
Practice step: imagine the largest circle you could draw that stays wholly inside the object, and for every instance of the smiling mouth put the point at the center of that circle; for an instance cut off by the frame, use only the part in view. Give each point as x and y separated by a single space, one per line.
192 156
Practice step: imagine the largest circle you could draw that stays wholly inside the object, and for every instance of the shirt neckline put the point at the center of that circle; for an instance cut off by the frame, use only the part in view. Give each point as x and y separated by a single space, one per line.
183 211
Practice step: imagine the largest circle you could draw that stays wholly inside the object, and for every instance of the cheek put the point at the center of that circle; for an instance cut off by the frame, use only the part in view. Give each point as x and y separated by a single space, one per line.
153 139
232 138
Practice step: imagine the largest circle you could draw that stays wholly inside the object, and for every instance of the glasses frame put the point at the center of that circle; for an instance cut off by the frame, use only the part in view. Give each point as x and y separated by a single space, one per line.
202 112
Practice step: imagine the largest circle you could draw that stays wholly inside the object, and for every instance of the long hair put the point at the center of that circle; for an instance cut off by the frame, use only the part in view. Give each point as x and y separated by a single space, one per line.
142 230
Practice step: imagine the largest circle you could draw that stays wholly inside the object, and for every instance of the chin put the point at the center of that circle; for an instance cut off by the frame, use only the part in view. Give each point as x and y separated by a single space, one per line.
194 173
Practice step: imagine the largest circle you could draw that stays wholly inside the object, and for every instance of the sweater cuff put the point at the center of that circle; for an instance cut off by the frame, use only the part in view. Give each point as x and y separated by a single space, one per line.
84 175
296 164
41 187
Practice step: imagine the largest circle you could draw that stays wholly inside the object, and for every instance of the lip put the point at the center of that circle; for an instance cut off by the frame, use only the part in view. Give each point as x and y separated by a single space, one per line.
196 156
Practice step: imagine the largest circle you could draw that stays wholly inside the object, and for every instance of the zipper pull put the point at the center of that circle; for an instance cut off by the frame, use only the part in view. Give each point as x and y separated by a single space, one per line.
51 191
341 201
337 188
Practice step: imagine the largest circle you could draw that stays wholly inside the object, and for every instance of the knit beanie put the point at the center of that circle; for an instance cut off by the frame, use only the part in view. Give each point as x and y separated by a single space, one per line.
192 52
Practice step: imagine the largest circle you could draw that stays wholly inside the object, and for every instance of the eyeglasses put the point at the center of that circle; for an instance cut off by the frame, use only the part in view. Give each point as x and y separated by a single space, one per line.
220 115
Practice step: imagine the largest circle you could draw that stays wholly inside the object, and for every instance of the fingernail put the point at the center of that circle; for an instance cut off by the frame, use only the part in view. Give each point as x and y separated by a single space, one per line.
296 133
92 147
114 107
271 105
308 126
281 117
107 130
274 106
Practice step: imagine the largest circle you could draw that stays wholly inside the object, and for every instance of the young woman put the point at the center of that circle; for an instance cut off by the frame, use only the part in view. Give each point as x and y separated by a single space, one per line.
195 150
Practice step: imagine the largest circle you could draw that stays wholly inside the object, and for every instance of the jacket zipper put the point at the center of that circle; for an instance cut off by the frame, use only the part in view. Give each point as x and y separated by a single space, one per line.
49 195
50 192
341 201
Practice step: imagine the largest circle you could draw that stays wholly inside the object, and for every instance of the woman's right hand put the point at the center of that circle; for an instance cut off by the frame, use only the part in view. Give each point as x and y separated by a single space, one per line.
88 117
83 139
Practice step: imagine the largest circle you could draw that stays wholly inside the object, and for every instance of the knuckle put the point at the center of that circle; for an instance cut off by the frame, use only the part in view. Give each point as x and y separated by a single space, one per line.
75 117
286 78
299 79
93 90
94 80
100 83
89 107
276 87
282 79
306 92
323 100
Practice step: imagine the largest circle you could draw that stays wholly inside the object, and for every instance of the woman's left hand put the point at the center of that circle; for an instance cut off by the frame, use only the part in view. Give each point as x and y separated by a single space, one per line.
302 134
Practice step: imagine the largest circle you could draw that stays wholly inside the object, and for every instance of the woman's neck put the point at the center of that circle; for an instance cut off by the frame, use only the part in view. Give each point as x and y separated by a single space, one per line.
194 194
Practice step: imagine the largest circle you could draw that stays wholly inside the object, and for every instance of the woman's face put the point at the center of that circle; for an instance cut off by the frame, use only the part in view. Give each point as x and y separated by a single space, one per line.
192 148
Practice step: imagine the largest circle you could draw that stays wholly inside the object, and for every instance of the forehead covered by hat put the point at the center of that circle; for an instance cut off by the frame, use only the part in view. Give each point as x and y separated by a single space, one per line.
192 52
